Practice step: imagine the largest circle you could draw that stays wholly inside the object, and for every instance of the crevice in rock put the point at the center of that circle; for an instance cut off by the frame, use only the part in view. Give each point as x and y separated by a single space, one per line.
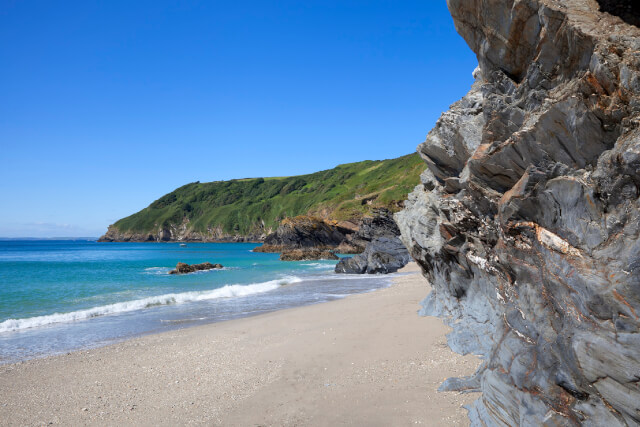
517 79
628 10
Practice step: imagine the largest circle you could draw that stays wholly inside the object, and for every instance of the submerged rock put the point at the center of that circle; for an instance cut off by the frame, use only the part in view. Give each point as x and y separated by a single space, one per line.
184 268
527 222
307 255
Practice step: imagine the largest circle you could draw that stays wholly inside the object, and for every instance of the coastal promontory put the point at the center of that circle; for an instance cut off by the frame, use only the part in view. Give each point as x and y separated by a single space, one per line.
248 210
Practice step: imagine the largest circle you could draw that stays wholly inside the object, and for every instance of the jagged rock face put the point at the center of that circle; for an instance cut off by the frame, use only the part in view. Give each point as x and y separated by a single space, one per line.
380 224
527 223
304 232
381 256
628 10
178 234
381 250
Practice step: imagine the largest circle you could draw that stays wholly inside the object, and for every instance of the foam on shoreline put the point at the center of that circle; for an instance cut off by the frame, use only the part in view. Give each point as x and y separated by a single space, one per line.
228 291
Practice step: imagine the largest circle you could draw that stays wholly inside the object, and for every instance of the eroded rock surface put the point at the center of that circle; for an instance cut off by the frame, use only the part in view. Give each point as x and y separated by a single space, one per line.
304 232
527 222
382 250
381 255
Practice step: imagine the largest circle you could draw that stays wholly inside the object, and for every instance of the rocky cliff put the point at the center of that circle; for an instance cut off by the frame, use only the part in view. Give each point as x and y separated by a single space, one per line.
304 232
527 222
182 233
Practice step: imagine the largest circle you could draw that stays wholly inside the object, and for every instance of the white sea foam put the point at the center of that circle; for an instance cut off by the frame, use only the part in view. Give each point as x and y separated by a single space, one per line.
337 296
320 266
228 291
157 270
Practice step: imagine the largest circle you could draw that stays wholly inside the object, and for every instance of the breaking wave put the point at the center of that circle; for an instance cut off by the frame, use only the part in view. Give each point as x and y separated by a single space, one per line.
228 291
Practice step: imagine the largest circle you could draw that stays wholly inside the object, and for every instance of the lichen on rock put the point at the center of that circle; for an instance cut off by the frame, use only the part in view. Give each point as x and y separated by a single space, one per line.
527 222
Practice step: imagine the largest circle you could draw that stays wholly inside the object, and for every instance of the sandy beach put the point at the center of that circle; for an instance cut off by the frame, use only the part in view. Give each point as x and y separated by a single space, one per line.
368 359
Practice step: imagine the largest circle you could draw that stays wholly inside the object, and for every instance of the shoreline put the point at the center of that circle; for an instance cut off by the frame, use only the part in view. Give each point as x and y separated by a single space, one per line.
23 339
365 359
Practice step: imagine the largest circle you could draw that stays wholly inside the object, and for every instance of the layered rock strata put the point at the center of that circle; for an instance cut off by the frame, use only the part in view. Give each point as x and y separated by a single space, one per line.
527 222
304 232
381 249
382 255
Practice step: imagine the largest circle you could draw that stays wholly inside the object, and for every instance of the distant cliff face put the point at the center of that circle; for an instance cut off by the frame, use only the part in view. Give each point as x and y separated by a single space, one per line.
249 209
527 222
181 233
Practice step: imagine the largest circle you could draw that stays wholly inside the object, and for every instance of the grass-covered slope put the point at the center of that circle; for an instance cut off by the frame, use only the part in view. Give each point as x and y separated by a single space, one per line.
245 206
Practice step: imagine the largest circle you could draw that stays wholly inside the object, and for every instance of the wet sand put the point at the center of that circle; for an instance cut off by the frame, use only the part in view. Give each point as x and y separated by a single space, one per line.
368 360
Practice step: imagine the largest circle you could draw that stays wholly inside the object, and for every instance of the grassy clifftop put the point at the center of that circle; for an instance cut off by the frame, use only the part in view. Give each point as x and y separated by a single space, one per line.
245 206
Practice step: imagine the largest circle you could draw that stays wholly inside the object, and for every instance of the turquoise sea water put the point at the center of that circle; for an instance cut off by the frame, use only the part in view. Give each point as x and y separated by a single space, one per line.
57 296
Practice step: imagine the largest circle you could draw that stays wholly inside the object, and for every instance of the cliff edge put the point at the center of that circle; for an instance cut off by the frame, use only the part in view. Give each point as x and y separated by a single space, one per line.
527 221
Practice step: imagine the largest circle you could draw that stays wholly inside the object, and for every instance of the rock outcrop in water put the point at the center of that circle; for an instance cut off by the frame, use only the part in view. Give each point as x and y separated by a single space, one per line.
184 268
527 222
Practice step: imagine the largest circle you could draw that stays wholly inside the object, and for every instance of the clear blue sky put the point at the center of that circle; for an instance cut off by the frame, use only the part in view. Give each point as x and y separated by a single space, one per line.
108 105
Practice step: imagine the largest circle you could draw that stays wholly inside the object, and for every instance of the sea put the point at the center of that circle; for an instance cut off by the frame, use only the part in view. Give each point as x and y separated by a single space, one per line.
58 296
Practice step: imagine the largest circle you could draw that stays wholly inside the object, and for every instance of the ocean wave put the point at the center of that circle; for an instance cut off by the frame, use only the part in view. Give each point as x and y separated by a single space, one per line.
157 270
227 291
320 266
337 296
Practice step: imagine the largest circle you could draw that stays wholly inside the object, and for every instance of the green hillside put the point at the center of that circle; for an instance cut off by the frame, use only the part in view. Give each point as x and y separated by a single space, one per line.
240 205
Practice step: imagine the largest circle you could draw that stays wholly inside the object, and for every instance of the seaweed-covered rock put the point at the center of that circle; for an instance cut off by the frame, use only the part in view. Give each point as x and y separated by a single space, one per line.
527 223
184 268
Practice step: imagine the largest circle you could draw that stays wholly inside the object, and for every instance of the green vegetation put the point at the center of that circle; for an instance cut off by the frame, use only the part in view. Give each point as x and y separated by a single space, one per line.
240 206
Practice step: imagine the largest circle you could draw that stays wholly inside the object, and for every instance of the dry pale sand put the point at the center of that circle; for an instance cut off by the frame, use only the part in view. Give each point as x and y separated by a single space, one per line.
365 360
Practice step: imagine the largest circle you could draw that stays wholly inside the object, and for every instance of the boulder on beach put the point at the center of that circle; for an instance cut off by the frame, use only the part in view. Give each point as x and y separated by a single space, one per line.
382 255
184 268
382 250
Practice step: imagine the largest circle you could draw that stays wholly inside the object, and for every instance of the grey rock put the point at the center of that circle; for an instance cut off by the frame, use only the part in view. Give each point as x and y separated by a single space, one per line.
382 255
527 223
380 224
382 250
304 232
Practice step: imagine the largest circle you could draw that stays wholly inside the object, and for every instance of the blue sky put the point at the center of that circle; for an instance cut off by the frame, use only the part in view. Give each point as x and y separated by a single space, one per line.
108 105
